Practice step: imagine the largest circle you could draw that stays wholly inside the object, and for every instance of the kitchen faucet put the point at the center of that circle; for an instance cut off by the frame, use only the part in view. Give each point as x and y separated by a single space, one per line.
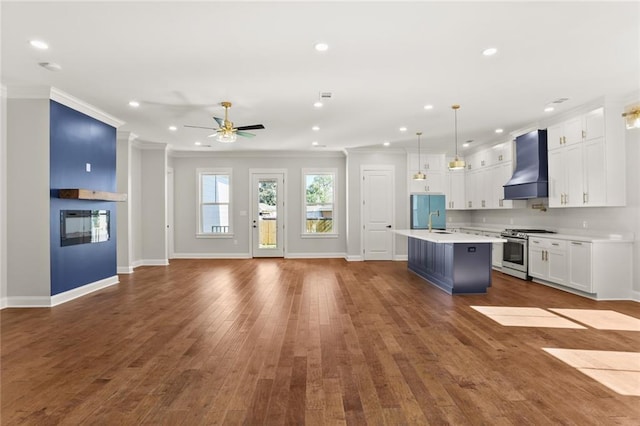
437 213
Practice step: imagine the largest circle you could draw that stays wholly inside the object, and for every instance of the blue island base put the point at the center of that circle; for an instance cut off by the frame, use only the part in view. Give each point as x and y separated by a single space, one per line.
457 268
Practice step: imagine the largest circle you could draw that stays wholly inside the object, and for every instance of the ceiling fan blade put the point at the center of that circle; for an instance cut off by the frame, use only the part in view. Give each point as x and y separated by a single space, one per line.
245 134
201 127
220 121
251 127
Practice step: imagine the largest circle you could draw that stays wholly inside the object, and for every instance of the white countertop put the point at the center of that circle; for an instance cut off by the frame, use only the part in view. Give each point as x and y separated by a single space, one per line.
585 238
437 236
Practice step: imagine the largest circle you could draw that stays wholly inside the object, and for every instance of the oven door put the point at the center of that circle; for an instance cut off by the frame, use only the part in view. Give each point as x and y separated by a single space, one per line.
514 254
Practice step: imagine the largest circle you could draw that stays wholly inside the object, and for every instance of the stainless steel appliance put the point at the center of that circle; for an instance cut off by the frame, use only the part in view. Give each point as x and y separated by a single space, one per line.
516 251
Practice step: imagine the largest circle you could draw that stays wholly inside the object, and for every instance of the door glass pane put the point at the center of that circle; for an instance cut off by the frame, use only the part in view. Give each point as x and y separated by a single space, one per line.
267 214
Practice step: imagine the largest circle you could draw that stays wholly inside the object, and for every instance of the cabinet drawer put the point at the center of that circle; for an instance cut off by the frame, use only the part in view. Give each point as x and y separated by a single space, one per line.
547 243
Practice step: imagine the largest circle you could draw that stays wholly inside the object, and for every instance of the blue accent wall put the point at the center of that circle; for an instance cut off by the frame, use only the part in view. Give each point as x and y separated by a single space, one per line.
75 140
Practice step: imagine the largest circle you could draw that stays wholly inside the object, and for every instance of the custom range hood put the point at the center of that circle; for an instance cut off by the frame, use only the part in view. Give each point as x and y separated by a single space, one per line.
530 178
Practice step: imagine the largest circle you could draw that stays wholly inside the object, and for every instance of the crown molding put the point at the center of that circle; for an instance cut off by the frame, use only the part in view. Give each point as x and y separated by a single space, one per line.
54 94
126 135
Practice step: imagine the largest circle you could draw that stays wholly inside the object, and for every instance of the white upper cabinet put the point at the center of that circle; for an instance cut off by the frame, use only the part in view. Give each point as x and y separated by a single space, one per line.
586 161
455 189
432 165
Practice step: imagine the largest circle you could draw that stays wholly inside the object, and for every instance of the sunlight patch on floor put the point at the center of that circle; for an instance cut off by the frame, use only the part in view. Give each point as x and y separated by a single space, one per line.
601 319
619 371
525 317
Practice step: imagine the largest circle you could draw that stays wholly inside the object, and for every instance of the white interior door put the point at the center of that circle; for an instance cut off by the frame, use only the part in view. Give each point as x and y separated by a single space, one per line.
378 197
267 221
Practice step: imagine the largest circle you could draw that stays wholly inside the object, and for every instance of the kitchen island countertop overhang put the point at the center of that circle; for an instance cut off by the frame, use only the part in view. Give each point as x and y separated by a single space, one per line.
456 263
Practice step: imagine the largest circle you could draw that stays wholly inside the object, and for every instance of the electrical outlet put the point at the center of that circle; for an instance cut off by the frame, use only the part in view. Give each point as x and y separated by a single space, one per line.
584 224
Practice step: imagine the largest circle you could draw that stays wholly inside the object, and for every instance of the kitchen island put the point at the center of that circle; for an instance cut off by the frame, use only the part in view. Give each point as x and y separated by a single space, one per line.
456 263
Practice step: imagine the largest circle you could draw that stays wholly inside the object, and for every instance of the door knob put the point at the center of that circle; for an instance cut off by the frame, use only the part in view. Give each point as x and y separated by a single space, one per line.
388 226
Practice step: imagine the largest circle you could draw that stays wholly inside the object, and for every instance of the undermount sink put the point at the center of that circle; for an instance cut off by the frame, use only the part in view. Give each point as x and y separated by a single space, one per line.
441 232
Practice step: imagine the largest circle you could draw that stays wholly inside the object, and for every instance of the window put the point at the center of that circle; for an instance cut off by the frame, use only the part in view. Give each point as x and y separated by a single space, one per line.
214 202
319 202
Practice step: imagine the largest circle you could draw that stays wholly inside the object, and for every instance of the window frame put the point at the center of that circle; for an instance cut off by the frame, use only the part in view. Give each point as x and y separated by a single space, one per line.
200 172
320 171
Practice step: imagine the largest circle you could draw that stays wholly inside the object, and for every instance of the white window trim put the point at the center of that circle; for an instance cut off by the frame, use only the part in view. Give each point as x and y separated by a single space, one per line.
320 171
213 171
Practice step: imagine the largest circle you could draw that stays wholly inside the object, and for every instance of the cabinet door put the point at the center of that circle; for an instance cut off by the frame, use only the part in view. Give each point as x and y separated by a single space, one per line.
594 124
575 176
496 250
580 266
537 264
435 182
554 136
595 173
573 131
433 163
455 194
557 178
470 192
557 263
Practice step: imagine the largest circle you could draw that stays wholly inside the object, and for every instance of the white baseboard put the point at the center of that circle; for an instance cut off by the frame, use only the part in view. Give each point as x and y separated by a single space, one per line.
153 262
635 296
3 303
401 257
29 302
350 258
125 270
212 255
84 290
315 255
136 263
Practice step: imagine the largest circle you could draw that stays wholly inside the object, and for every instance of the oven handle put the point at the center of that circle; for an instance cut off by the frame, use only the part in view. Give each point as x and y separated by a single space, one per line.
516 240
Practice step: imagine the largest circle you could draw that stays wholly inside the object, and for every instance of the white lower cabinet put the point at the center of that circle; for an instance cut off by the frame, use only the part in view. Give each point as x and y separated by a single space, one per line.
496 252
548 260
600 269
580 266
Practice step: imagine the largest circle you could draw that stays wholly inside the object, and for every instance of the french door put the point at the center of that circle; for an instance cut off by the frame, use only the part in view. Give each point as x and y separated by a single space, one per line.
267 218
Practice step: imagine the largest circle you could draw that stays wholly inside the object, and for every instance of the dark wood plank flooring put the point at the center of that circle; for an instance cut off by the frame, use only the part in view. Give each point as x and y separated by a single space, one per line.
281 341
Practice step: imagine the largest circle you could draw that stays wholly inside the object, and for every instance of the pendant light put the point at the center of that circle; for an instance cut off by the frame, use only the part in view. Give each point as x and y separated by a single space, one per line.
456 164
419 175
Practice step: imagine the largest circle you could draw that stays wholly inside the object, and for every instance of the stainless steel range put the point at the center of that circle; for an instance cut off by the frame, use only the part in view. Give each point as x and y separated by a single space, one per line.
516 251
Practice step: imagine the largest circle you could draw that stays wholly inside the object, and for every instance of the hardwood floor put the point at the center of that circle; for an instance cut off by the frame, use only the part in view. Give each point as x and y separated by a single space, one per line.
281 341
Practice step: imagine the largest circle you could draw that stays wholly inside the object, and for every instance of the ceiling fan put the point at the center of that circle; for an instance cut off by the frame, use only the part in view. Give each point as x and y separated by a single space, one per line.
226 133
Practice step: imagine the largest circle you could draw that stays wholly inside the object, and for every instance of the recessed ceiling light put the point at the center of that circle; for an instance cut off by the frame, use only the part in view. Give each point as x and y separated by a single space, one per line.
386 144
173 128
490 51
314 143
548 109
499 130
466 144
315 128
134 104
317 104
39 44
403 129
321 47
198 143
428 107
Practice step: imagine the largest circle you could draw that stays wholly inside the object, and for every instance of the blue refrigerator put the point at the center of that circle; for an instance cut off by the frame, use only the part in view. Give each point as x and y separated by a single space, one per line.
422 205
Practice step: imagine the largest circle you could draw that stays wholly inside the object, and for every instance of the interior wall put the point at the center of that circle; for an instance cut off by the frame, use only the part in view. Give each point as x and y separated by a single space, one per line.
135 199
153 191
28 261
3 197
123 209
185 204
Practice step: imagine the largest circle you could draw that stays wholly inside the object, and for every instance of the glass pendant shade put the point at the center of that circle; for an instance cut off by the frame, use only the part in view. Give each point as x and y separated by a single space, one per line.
419 176
456 164
632 118
226 137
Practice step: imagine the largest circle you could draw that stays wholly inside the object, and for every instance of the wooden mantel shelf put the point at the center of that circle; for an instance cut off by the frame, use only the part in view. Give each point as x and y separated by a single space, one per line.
88 194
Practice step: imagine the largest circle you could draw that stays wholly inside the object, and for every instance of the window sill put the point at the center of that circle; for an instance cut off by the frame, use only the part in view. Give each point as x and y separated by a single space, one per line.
215 236
327 235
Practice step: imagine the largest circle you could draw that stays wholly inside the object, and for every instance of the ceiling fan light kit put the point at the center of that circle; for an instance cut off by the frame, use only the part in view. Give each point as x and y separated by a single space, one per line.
456 164
227 133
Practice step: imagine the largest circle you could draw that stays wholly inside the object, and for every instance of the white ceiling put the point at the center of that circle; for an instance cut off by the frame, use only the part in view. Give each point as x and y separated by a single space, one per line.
385 62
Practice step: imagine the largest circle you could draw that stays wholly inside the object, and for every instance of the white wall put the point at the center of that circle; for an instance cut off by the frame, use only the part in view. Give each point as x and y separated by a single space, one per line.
154 217
135 199
28 233
3 197
123 209
185 202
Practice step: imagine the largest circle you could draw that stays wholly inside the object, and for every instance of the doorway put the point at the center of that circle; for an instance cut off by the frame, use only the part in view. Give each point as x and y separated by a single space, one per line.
267 214
378 201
